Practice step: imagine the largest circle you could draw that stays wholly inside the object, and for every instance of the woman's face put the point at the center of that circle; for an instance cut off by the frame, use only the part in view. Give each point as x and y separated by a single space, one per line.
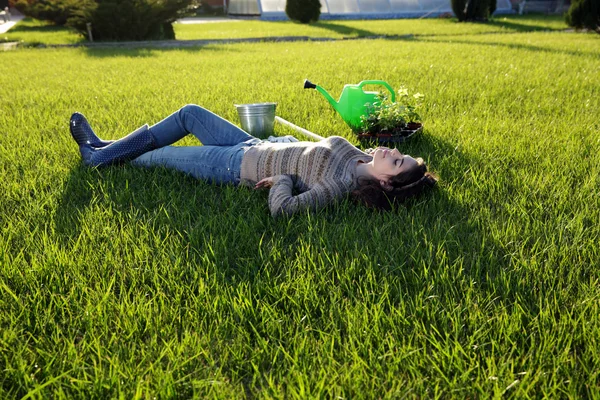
388 163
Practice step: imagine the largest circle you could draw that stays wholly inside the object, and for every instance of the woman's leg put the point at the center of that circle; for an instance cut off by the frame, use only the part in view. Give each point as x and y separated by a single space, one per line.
131 146
208 127
216 164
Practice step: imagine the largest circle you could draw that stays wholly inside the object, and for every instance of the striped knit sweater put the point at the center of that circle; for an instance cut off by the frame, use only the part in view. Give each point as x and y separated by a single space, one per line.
320 172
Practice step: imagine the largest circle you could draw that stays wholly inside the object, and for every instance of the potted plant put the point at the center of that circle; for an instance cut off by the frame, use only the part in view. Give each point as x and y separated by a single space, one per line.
392 121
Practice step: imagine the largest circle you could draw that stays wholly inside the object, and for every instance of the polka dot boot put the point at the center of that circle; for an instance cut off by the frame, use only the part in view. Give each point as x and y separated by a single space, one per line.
83 133
131 146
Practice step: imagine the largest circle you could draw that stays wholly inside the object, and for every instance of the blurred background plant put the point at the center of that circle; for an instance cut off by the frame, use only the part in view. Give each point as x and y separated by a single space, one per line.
112 19
584 14
303 11
473 10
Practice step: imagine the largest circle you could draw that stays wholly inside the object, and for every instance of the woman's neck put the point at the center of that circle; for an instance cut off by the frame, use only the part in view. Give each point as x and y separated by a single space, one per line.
364 171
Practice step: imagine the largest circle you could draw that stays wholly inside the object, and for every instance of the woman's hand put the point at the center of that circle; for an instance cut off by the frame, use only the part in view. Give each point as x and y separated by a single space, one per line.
264 183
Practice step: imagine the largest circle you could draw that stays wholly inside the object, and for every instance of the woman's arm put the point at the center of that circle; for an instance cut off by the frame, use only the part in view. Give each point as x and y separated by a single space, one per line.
283 202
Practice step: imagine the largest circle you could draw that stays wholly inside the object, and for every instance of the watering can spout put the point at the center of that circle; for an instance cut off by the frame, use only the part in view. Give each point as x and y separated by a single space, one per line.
309 85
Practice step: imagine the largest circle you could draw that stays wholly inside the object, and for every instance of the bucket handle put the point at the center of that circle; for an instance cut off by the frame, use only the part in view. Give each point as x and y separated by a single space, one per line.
377 82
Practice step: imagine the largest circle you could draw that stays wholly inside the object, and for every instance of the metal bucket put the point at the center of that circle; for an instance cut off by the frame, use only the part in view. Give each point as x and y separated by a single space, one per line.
257 119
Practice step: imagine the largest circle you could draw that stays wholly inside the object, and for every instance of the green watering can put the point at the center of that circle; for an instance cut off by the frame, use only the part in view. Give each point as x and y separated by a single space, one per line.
353 101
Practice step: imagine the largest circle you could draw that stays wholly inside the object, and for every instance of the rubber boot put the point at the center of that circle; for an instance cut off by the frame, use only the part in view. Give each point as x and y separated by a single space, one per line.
83 133
131 146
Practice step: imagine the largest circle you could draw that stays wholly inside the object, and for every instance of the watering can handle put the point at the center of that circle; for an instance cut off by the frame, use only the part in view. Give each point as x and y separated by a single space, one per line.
376 82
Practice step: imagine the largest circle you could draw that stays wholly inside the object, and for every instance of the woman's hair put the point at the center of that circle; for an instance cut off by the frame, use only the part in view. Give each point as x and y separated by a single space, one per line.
406 184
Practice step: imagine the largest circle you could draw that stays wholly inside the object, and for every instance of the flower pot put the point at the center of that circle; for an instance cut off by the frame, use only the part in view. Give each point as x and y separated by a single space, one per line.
398 134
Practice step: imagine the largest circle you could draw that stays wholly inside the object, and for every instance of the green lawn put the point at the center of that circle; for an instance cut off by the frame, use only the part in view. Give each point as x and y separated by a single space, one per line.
134 283
339 29
34 32
37 32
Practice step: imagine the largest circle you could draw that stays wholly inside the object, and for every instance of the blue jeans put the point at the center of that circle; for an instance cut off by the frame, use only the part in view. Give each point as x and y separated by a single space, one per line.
219 160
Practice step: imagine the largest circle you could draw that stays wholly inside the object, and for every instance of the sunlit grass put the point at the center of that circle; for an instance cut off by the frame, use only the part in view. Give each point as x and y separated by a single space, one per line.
127 282
32 32
361 28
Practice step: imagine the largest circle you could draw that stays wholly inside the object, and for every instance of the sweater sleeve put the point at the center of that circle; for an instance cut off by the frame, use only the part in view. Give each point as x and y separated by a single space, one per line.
282 202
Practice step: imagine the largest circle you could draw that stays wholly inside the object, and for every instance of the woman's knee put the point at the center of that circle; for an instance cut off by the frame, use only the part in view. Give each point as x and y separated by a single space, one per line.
191 109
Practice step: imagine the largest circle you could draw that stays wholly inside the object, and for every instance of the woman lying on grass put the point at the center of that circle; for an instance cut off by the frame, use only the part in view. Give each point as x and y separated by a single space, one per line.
320 172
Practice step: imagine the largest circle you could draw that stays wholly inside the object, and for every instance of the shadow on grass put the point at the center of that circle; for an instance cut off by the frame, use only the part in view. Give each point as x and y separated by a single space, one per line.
29 25
343 29
515 26
34 33
445 221
517 46
430 249
31 32
218 217
147 52
438 244
512 24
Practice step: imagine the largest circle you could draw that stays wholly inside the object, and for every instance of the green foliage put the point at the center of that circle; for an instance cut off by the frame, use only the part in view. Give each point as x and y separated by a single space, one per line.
134 19
385 115
56 11
478 10
304 11
584 14
473 10
112 19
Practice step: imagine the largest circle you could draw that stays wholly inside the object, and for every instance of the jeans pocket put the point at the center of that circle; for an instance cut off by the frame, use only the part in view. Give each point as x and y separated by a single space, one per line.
234 163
